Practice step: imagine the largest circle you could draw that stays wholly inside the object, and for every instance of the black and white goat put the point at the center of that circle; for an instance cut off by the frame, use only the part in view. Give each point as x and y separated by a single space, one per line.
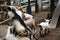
45 27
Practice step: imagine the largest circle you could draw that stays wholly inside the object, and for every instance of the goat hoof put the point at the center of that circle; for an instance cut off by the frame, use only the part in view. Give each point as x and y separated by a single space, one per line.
48 31
42 34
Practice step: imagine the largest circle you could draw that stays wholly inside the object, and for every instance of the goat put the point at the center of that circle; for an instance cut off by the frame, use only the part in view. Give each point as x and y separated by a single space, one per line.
17 16
45 27
18 23
29 21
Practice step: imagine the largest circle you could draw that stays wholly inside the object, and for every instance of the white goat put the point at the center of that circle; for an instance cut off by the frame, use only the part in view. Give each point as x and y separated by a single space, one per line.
18 26
29 20
45 27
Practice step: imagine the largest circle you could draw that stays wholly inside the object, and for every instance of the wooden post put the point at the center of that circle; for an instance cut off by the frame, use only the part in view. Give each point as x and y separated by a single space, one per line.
36 6
40 4
55 17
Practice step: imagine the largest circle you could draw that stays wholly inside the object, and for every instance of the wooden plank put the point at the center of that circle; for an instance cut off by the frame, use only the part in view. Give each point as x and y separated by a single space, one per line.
55 17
